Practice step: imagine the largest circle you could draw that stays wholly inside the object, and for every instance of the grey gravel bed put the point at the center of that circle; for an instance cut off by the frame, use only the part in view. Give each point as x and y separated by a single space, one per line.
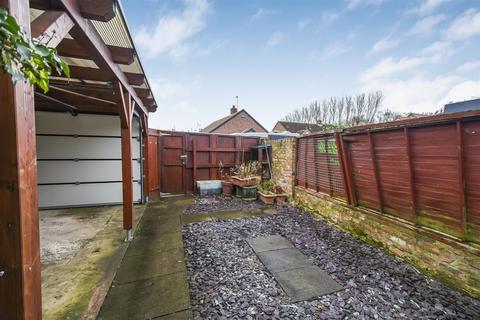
227 281
220 203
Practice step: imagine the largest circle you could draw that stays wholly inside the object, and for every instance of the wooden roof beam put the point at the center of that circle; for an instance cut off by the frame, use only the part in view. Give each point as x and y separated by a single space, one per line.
100 10
51 27
87 36
70 48
143 92
94 74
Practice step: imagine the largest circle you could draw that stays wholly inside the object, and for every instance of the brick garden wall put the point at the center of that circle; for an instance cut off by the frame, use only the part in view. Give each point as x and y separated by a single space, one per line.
446 259
283 163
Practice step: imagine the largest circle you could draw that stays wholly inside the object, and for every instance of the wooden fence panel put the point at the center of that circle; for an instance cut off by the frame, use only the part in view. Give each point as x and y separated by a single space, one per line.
318 166
435 165
471 155
205 154
427 173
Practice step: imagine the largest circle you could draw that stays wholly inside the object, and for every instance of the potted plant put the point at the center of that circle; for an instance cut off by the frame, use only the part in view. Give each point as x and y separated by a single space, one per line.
270 192
281 195
227 185
265 192
246 174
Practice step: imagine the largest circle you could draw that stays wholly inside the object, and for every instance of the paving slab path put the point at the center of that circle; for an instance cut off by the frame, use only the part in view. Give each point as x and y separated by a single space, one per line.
296 274
151 282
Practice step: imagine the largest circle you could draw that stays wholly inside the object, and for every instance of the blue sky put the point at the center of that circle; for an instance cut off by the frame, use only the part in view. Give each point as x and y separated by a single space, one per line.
279 55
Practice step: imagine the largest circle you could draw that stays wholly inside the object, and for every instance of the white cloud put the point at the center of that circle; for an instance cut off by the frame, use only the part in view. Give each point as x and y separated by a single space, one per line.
469 66
172 32
164 88
463 91
390 66
353 4
383 45
260 14
428 6
275 38
302 24
438 51
426 26
334 50
465 26
415 94
329 17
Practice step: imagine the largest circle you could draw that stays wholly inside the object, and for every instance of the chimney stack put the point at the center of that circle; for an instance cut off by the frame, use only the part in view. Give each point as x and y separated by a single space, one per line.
233 109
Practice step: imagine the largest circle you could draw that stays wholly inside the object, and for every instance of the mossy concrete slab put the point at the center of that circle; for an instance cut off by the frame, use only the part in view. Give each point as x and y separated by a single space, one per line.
283 259
141 267
306 283
273 242
144 244
182 315
194 218
146 299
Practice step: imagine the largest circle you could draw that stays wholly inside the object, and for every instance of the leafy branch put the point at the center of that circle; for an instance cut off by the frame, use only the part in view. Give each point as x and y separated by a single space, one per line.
25 59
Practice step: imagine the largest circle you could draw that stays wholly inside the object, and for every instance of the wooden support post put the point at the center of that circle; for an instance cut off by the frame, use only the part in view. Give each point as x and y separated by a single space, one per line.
20 283
194 163
213 157
348 175
461 180
413 202
145 156
375 171
125 109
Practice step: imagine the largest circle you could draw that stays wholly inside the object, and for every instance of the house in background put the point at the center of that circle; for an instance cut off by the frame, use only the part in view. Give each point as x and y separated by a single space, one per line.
459 106
296 127
236 122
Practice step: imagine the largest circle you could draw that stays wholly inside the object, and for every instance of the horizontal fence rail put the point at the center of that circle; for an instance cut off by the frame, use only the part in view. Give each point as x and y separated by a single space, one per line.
425 173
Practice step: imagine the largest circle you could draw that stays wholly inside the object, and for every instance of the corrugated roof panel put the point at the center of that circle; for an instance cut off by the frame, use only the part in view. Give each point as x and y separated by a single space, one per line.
113 32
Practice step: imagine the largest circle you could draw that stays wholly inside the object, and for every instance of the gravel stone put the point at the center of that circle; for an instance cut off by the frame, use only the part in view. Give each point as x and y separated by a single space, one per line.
227 281
219 203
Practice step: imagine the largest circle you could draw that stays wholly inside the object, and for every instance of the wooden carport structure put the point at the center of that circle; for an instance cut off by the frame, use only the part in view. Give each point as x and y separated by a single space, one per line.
106 78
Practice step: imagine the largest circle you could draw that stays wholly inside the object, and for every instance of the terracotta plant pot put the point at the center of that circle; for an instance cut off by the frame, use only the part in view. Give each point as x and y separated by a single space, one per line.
227 188
267 198
281 198
246 182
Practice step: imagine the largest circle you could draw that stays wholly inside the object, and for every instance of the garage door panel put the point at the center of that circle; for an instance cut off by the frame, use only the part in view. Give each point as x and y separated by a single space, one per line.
52 196
83 171
55 147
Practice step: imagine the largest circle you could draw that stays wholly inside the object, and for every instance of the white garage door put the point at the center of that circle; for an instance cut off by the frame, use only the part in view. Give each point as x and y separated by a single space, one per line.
79 160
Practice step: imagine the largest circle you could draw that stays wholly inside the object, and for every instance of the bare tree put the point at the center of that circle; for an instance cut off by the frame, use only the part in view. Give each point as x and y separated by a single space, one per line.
340 111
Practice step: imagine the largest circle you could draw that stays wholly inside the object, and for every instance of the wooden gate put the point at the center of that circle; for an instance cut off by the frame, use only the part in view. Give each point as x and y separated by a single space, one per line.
181 158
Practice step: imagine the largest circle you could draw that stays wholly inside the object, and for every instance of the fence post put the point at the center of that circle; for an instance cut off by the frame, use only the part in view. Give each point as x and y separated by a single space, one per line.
297 143
411 175
315 156
194 165
213 156
461 180
346 171
329 169
375 171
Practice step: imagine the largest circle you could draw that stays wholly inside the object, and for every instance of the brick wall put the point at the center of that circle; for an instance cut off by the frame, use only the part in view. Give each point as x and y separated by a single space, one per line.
238 124
283 163
452 262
